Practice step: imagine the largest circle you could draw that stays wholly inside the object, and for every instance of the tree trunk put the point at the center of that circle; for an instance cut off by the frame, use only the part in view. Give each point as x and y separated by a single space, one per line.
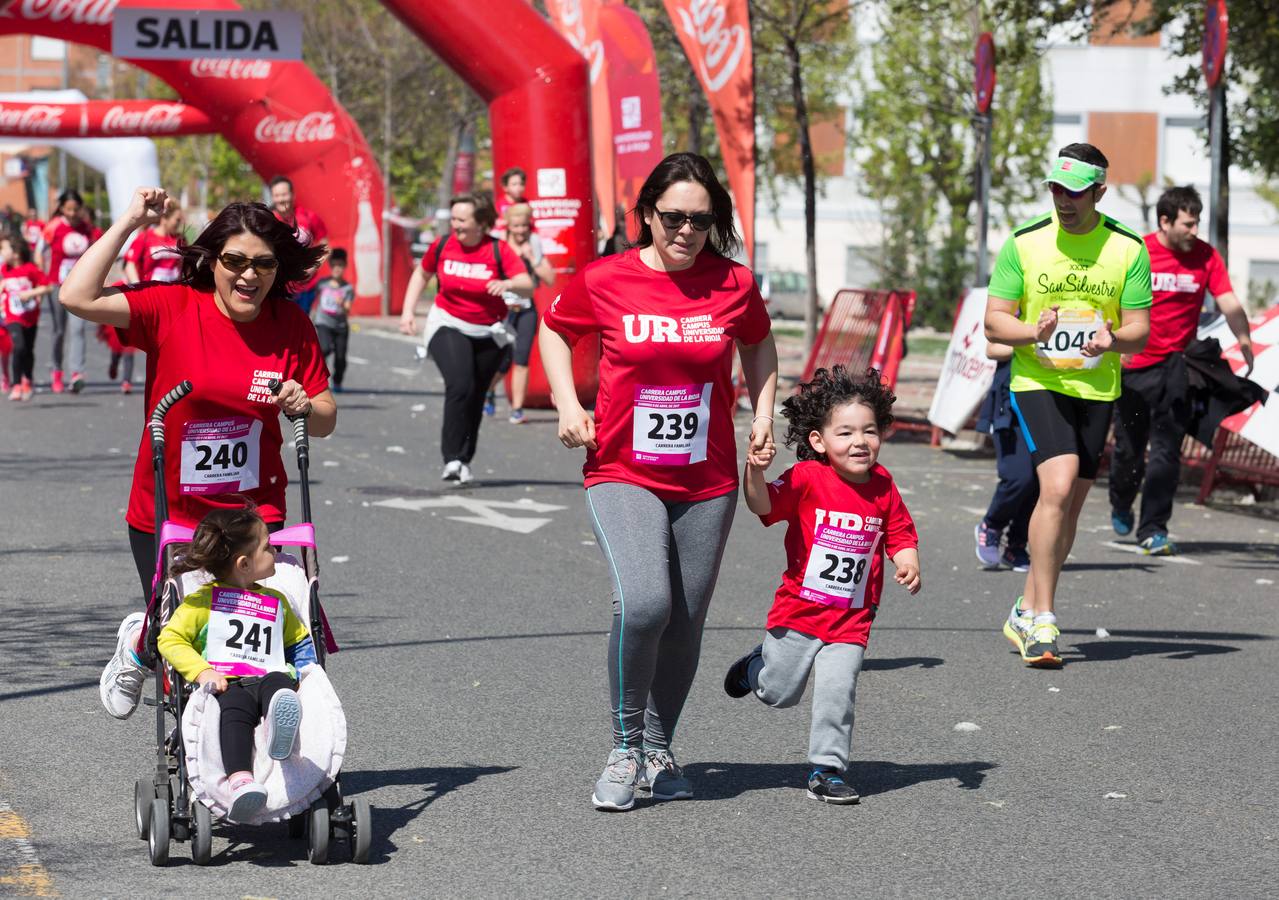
445 189
697 109
810 190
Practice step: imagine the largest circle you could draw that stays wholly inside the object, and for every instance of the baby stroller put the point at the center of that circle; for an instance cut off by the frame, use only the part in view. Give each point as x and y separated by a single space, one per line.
178 802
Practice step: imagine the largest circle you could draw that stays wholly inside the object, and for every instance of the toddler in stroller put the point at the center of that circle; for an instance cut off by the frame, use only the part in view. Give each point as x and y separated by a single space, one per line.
243 639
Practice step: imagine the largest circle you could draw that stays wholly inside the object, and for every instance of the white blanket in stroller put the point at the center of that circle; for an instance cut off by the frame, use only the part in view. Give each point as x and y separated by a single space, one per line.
291 784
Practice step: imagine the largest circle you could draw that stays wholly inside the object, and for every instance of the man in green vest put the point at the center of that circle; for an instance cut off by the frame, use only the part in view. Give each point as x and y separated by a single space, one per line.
1070 292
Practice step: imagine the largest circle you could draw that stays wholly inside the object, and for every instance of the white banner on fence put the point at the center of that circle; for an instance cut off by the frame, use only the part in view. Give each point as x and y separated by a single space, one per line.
1259 424
967 373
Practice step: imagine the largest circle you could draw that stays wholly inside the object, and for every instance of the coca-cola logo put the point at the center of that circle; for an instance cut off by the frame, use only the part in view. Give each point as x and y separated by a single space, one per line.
79 12
237 69
722 48
162 118
573 25
34 118
316 126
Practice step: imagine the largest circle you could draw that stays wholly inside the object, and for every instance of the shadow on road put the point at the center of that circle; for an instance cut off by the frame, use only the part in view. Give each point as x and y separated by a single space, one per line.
1113 651
723 781
901 662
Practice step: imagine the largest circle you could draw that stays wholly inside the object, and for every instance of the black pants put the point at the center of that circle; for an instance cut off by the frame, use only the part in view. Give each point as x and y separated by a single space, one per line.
1152 409
24 350
1018 487
142 545
243 704
58 316
468 366
333 340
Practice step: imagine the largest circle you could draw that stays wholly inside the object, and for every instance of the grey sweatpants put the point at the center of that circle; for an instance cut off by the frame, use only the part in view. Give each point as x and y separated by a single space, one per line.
664 558
780 676
65 324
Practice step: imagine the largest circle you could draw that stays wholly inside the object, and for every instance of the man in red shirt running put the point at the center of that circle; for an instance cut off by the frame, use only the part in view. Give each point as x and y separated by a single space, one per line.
1153 406
311 232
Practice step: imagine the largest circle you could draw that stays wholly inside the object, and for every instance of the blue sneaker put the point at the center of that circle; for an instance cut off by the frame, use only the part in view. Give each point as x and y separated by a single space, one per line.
987 545
830 787
490 404
1158 545
1121 522
1016 558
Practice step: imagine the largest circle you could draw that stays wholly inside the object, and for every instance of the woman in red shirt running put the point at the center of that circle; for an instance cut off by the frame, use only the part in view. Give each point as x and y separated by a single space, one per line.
466 331
661 462
68 235
228 326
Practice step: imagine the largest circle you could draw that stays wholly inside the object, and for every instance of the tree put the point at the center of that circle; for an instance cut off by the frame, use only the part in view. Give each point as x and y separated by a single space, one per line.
914 134
803 52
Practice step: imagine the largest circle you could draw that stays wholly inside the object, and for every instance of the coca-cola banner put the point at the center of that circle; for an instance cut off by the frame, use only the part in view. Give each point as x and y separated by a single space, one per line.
635 97
102 118
578 21
276 113
716 35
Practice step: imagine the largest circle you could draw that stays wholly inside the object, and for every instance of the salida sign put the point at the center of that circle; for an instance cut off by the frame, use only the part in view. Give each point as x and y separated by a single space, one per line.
139 33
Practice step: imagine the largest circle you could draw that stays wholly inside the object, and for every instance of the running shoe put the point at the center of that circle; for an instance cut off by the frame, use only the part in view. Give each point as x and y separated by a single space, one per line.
27 391
1121 522
615 791
1041 647
77 382
987 545
283 716
517 417
55 381
464 475
1016 558
5 384
120 685
16 393
737 682
247 799
829 787
661 777
490 403
1017 626
126 387
451 470
1158 544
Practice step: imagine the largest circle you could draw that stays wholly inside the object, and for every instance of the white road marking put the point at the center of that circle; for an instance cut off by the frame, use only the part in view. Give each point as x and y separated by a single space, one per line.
393 336
1133 548
485 512
973 510
405 371
357 360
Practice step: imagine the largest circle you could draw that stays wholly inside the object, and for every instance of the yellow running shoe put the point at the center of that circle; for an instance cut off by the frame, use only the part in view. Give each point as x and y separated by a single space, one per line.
1017 626
1040 650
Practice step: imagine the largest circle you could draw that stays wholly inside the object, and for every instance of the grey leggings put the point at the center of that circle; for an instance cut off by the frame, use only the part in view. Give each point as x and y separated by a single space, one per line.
664 558
63 324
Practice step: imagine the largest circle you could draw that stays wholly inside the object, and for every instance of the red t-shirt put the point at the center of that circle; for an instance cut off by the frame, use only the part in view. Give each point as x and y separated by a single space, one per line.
14 279
463 272
664 414
154 255
67 243
33 232
311 231
1178 282
223 438
837 535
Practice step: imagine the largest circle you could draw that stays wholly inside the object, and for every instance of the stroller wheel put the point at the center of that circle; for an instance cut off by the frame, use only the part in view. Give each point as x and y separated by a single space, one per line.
319 830
158 834
361 830
202 839
143 796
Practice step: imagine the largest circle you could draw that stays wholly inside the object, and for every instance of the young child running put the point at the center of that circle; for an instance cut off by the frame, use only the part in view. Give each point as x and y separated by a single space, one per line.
244 640
843 514
331 326
22 284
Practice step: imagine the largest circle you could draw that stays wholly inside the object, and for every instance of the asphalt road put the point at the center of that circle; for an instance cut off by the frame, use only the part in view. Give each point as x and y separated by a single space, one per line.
474 631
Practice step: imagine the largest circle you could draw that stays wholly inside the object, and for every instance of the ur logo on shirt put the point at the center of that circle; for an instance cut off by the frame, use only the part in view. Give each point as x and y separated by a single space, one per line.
654 329
849 521
1174 282
478 271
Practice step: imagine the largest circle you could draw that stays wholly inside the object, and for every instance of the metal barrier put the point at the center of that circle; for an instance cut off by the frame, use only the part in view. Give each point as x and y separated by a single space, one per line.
861 330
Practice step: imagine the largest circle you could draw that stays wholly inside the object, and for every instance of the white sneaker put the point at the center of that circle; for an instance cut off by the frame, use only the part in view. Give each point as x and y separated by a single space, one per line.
283 715
247 799
452 470
120 686
464 474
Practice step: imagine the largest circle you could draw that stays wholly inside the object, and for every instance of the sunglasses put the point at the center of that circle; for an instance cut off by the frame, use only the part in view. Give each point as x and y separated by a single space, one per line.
238 262
674 221
1058 190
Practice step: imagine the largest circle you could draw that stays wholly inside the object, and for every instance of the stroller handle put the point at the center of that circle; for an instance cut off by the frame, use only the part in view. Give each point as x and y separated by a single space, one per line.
155 424
301 440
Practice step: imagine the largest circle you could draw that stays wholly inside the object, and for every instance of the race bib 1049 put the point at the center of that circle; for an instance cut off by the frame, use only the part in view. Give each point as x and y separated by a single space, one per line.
839 566
1064 348
671 423
220 456
246 633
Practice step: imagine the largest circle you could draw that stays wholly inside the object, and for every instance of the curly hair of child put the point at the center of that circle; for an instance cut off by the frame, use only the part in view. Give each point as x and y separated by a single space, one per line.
811 406
221 537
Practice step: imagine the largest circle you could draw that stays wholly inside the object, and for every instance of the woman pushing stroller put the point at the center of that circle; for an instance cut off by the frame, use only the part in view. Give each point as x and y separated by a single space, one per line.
243 639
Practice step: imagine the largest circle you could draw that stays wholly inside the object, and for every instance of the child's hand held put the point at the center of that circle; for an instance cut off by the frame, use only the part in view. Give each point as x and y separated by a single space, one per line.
213 677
